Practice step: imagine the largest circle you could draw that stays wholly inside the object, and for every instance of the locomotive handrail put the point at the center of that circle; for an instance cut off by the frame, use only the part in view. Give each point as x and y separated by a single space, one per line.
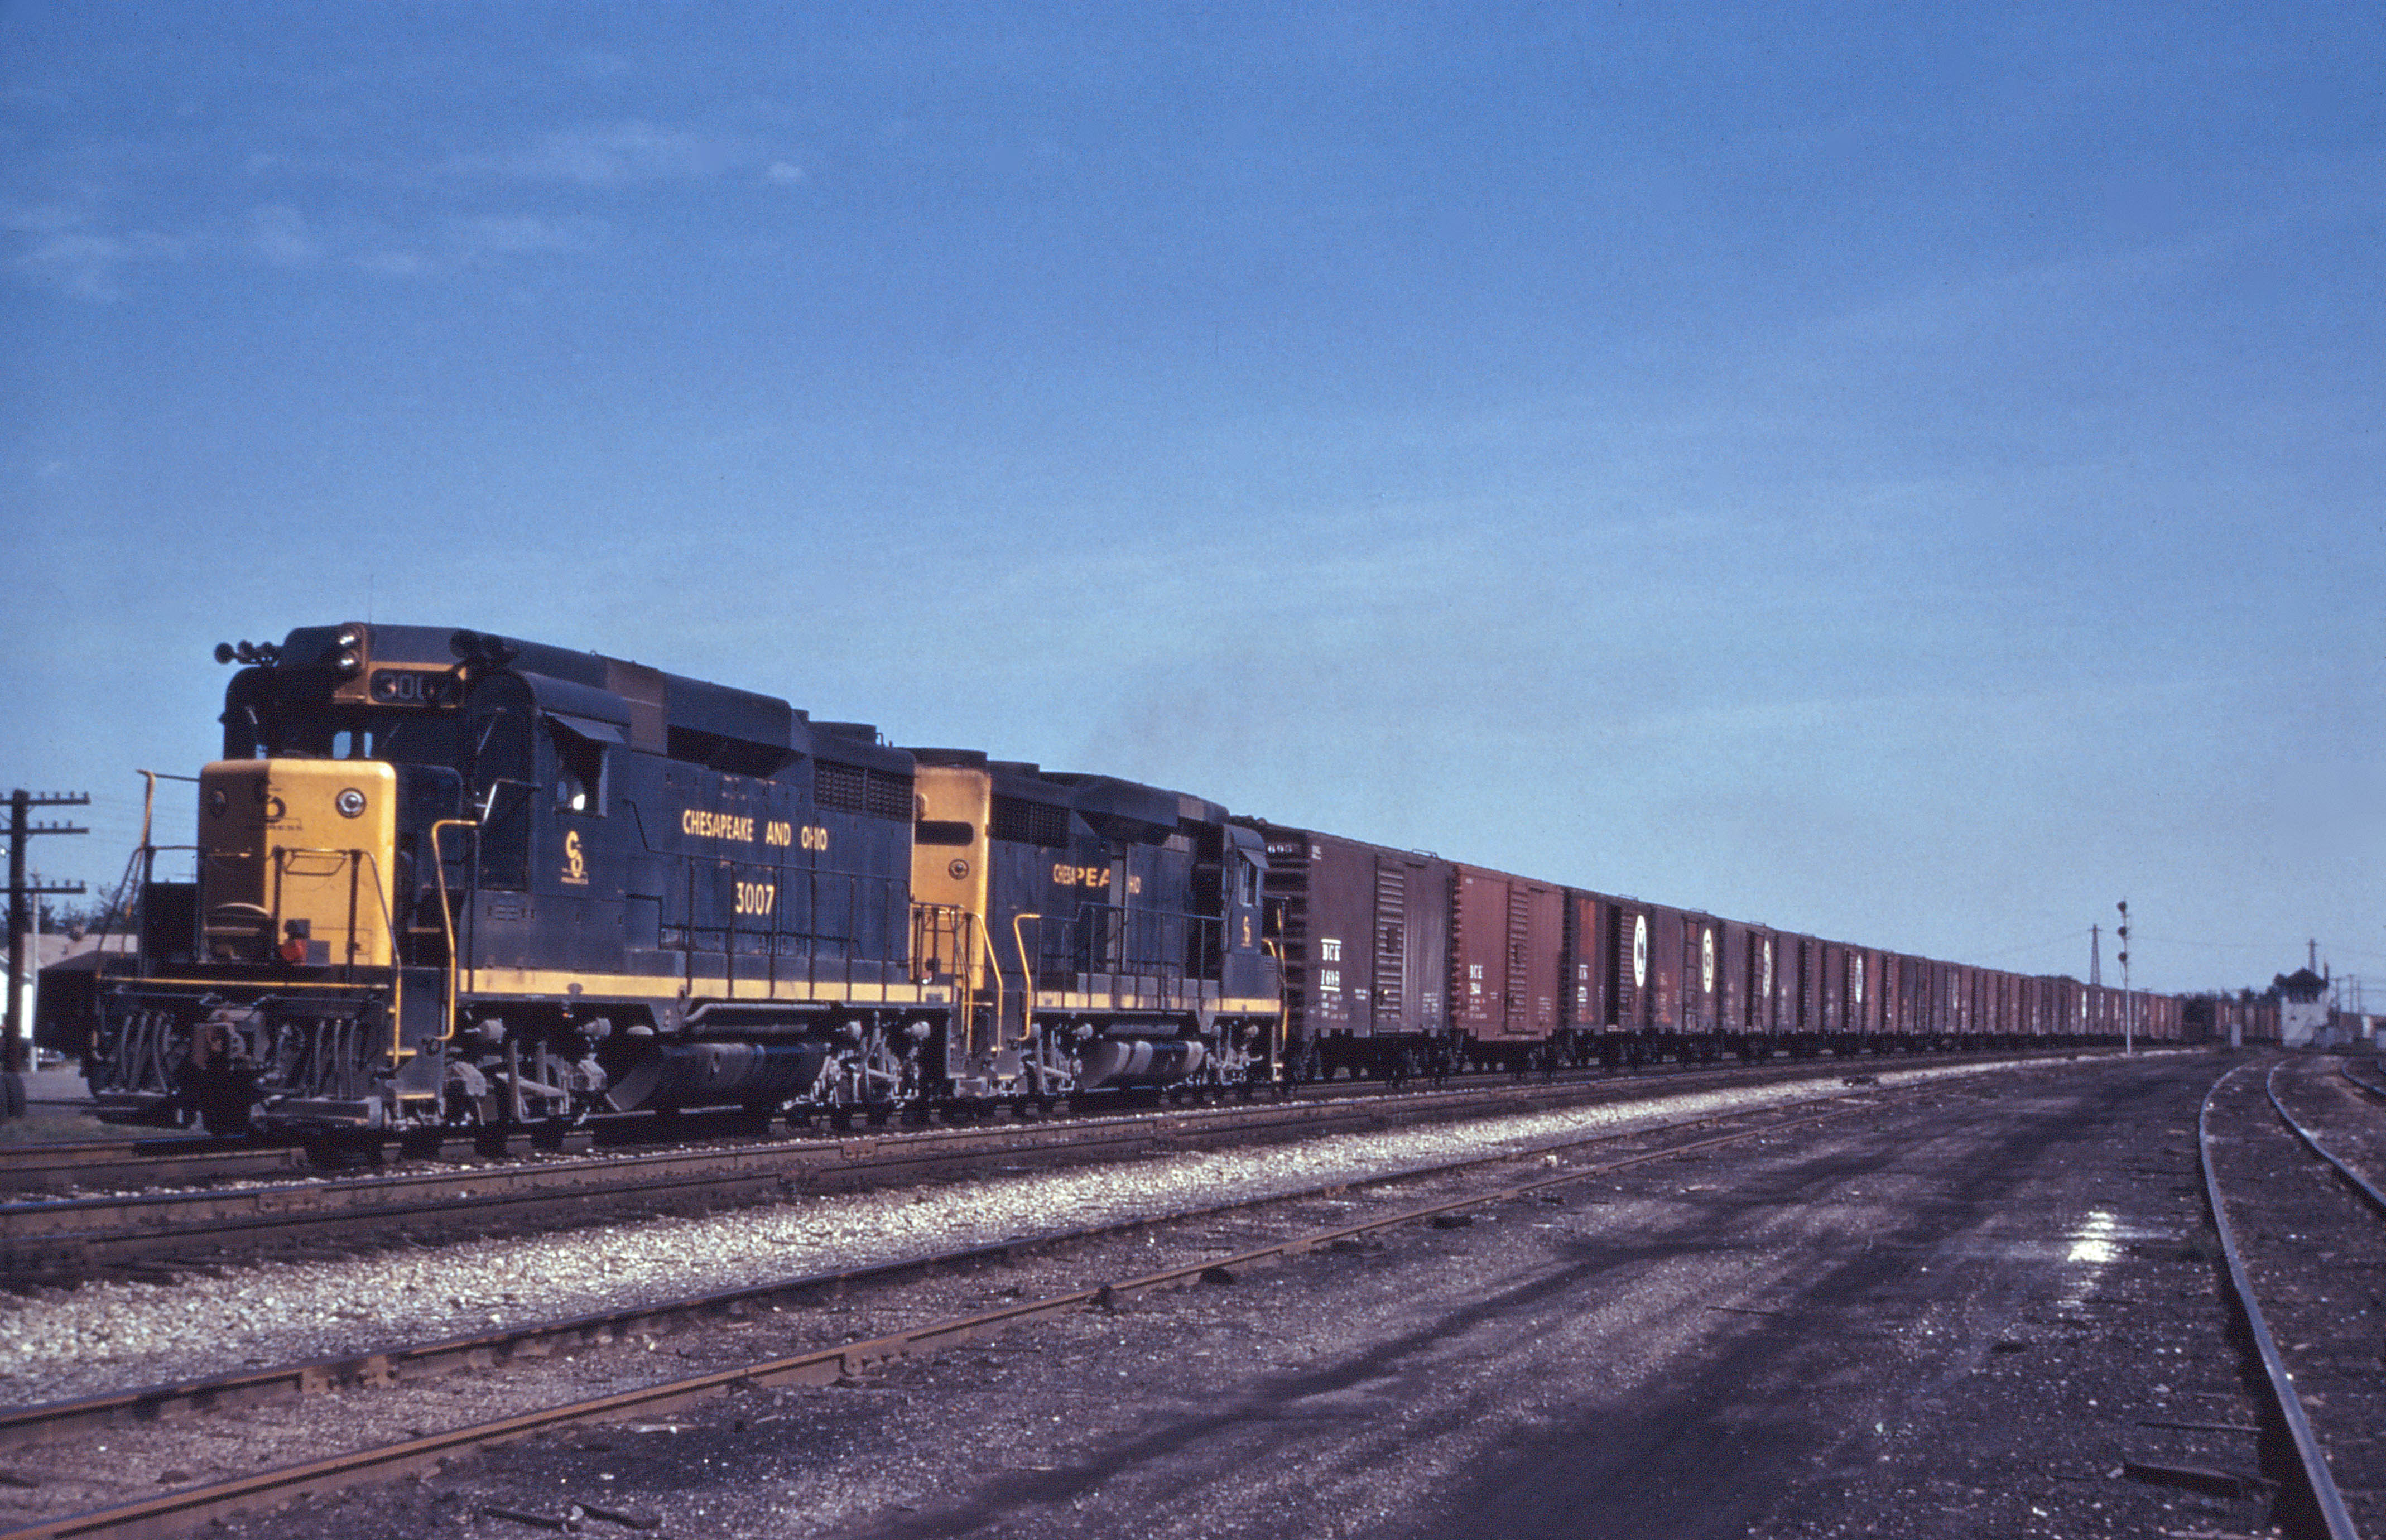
1026 978
1283 1011
969 980
356 861
396 970
447 916
691 937
963 925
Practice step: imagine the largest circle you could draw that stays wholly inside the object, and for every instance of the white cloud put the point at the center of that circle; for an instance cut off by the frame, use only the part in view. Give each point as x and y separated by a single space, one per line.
390 263
280 234
522 232
784 173
464 242
614 154
60 247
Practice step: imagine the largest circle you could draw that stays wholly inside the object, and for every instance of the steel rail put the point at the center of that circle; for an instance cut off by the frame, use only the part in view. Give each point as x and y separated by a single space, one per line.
76 1236
174 1512
195 1158
2321 1483
2361 1183
2368 1088
53 1166
46 1421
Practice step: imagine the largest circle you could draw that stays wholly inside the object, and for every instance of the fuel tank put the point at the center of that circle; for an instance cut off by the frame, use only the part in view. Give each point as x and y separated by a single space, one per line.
718 1074
1123 1061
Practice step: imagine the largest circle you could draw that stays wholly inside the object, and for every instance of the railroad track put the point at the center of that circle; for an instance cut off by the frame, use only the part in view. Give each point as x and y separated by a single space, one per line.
2301 1232
178 1158
188 1159
157 1235
2367 1081
1577 1158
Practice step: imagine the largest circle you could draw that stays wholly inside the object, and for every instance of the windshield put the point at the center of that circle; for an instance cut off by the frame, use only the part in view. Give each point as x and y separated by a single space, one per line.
342 732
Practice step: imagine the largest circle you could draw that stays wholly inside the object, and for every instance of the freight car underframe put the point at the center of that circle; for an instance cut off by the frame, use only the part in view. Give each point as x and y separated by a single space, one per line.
1416 1055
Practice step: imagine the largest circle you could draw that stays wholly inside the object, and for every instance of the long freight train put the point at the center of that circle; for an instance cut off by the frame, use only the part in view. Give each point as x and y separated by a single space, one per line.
445 877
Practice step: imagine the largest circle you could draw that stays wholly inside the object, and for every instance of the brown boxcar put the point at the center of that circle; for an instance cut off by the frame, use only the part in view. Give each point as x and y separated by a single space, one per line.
1757 965
1652 975
1863 995
1731 982
1788 986
1810 989
1583 1004
1834 993
1665 971
1364 930
1506 936
1629 972
1701 975
2070 1009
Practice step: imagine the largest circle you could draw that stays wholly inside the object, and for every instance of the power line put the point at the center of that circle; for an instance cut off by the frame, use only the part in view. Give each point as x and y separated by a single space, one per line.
20 919
2064 939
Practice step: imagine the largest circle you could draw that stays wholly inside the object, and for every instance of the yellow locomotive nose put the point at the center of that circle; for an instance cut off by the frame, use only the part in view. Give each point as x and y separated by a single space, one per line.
296 859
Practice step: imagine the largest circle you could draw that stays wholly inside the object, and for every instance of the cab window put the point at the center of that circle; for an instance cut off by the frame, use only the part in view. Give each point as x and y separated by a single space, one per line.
501 790
579 771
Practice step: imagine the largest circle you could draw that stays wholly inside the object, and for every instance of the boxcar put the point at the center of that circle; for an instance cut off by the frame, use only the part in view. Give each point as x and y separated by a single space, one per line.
1507 934
1364 932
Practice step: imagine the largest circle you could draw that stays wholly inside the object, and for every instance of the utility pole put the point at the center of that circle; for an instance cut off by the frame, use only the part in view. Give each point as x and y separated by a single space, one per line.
2128 1004
13 1048
2095 957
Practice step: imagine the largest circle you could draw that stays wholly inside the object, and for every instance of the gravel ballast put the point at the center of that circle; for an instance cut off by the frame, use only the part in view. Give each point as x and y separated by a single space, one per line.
107 1336
1971 1311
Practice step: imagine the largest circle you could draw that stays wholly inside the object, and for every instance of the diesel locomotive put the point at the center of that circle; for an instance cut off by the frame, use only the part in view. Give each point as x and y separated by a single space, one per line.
447 877
444 877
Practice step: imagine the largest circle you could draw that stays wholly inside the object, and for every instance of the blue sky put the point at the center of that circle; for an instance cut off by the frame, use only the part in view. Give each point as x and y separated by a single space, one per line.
1908 476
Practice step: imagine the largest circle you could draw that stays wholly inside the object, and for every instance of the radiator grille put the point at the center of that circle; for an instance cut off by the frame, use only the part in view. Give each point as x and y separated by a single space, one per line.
851 789
1024 822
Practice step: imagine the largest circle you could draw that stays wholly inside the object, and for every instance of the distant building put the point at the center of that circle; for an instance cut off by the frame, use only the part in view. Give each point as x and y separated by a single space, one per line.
2304 1016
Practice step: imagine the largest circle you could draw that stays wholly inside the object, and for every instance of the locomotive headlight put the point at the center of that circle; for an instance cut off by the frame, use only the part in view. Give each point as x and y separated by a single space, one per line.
352 653
350 802
216 803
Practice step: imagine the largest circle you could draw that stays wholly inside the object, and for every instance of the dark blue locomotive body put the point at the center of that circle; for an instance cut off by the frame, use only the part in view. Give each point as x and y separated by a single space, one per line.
447 876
